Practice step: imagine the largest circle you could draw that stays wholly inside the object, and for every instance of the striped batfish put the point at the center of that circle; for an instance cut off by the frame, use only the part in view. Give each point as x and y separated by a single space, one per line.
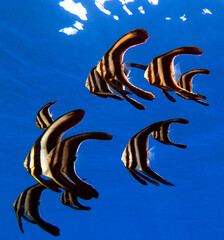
26 206
136 155
111 66
185 82
44 118
160 72
99 87
61 162
71 200
37 162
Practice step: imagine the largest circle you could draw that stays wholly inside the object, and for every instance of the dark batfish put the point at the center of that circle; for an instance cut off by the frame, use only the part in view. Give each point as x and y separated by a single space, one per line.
160 72
26 206
44 118
61 163
136 156
111 66
37 162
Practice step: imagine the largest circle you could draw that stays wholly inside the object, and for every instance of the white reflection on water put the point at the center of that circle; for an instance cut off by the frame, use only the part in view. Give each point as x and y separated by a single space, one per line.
141 10
79 10
183 18
78 25
127 10
100 5
72 30
154 2
69 30
126 1
206 11
74 8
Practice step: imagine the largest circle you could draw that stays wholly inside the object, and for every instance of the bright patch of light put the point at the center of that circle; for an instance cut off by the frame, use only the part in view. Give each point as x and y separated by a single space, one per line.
126 1
141 10
100 5
69 30
116 17
74 8
206 11
154 2
127 10
183 18
78 25
168 18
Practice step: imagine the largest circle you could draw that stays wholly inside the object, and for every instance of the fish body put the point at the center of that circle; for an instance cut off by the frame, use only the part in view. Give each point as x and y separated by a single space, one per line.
111 66
185 82
136 156
61 162
37 162
98 87
26 206
160 71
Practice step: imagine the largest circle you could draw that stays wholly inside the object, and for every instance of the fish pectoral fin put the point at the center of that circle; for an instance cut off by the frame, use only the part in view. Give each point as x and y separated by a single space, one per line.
71 200
133 173
28 219
106 95
136 65
146 178
172 99
156 176
203 103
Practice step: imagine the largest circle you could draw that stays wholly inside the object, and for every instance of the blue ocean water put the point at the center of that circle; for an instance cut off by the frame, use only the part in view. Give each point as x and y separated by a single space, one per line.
40 63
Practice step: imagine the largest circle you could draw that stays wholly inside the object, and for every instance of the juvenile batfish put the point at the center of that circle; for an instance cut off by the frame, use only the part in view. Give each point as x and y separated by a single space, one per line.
26 206
61 162
111 66
37 162
160 72
97 86
44 118
136 156
185 82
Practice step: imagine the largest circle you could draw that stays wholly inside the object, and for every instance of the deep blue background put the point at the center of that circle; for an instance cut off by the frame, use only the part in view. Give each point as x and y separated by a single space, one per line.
39 64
